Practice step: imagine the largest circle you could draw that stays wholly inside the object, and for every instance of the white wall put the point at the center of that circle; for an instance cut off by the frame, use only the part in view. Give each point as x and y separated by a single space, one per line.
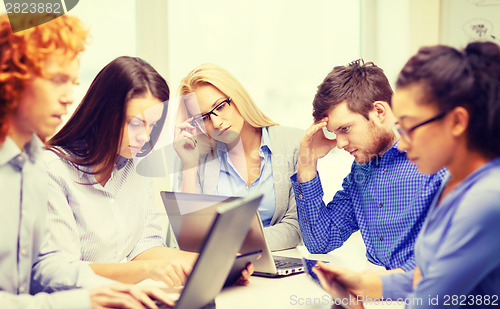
279 50
394 30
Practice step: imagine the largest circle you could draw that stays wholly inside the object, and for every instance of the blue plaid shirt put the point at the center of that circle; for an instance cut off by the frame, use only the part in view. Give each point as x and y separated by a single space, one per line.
387 199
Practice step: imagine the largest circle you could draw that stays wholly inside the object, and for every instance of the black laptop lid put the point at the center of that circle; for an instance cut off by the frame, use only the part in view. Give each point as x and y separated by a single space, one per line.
229 228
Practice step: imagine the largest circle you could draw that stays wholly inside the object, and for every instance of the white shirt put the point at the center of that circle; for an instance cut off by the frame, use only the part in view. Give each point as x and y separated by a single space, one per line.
109 224
23 187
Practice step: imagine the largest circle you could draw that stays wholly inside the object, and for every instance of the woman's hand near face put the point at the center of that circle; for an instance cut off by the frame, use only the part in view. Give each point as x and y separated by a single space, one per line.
185 144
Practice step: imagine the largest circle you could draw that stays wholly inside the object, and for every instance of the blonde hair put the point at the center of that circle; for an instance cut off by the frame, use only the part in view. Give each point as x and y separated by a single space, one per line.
226 83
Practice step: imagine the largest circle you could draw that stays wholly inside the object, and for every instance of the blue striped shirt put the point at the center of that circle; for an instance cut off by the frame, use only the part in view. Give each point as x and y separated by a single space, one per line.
387 199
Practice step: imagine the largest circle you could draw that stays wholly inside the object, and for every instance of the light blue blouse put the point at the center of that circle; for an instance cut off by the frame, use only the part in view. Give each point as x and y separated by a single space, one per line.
458 248
23 226
231 183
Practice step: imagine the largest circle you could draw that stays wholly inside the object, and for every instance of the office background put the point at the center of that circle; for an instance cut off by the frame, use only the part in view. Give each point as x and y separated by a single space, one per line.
280 50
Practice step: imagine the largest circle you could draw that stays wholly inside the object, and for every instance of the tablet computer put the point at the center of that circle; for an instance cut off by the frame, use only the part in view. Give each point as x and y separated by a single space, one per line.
340 295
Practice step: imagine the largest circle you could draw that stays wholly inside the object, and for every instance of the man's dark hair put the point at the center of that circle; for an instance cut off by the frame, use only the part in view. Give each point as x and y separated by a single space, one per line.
359 84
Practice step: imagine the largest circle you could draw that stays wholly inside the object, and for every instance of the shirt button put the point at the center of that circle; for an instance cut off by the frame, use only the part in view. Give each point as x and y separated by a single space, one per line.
300 196
21 289
380 205
383 171
381 238
23 251
305 220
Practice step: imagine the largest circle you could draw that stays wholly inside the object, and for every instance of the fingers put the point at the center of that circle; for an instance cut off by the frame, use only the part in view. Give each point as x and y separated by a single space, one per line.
250 268
159 294
170 277
312 130
322 278
331 271
188 263
143 298
114 297
188 138
146 296
186 125
175 273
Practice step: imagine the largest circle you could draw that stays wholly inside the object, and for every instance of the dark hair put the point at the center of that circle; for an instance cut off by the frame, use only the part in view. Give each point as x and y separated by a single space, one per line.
470 78
359 84
93 133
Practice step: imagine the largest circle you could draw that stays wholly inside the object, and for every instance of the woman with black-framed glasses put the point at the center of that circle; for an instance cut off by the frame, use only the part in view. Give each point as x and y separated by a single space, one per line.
229 147
453 98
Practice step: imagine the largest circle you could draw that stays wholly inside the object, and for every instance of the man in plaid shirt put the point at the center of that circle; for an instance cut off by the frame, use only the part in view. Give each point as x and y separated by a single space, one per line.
384 196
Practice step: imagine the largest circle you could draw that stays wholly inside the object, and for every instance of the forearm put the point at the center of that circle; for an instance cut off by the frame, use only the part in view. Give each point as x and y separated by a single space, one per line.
159 253
189 180
370 287
306 172
130 272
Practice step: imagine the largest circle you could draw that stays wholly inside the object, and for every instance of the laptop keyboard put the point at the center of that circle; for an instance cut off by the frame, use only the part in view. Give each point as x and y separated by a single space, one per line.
287 262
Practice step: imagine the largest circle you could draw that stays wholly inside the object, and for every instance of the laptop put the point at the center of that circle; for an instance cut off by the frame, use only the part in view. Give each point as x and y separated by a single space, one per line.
190 216
225 235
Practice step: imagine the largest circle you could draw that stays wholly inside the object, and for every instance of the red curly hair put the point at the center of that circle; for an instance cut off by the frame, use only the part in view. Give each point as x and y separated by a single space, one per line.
23 55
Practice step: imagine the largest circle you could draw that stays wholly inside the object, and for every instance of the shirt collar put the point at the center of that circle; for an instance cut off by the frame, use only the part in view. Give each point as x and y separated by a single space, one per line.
265 147
9 149
265 143
388 155
121 162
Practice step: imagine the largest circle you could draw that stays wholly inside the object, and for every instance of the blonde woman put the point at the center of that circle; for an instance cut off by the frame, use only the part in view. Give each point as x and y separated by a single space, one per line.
229 147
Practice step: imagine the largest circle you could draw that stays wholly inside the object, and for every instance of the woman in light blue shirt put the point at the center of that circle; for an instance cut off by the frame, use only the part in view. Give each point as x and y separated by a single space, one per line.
229 147
447 104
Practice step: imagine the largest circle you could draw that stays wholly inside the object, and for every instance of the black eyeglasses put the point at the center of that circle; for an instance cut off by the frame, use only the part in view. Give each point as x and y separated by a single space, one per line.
203 119
406 133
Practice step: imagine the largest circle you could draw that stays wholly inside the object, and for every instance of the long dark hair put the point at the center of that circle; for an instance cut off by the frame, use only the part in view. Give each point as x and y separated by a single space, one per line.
469 78
94 132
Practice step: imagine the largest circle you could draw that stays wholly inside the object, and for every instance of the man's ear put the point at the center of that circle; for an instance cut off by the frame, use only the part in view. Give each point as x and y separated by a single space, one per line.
381 110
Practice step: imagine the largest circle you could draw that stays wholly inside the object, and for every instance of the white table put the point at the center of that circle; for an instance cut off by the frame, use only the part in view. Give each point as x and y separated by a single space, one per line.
297 291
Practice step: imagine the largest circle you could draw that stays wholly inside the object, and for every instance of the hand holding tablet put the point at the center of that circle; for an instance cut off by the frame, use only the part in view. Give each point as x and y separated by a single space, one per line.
327 279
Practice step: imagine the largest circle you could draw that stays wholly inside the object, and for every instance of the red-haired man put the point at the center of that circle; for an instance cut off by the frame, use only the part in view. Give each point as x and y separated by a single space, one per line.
38 68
